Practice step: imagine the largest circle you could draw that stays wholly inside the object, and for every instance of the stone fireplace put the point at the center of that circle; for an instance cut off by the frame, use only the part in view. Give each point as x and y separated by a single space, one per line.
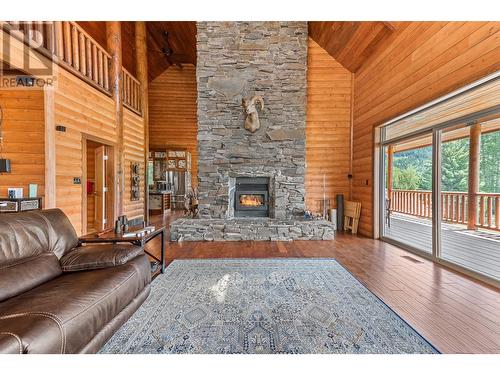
251 182
239 60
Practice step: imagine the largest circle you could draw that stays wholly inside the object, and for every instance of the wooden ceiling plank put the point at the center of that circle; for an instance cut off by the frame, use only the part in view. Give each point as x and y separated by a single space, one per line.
454 38
364 36
399 52
351 43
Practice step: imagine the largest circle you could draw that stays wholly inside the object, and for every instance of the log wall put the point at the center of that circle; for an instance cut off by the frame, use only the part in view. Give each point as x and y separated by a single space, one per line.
421 62
23 140
172 112
329 96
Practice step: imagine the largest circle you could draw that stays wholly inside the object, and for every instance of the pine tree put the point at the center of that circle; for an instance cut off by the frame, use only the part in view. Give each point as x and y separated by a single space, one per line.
490 163
455 165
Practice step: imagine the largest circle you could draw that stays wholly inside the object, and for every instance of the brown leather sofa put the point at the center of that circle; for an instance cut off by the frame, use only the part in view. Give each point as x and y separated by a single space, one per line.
57 297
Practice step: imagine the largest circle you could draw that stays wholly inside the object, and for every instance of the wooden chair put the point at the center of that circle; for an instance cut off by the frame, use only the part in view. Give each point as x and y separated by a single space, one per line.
352 211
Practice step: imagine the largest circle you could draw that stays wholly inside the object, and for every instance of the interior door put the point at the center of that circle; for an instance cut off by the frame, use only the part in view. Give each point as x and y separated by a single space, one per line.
100 188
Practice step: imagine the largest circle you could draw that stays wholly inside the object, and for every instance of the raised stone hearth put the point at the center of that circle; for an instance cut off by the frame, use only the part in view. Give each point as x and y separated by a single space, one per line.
238 60
250 229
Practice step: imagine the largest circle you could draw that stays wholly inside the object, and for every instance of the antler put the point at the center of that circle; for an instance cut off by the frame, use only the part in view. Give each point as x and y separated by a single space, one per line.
260 100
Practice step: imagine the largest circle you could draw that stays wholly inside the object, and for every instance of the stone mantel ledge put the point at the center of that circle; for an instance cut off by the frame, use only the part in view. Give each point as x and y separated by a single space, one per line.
250 229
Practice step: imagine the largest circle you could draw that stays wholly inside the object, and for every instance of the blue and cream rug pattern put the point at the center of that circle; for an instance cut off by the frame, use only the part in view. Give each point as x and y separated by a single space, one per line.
217 306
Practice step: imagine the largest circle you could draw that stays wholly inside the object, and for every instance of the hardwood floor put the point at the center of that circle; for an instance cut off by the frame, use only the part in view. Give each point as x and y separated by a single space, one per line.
454 312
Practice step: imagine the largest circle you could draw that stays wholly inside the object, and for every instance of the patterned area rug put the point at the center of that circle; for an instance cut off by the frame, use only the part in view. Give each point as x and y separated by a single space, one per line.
263 306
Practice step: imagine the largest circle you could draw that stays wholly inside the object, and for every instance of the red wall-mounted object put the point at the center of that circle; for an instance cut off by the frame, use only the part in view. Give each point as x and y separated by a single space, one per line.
90 187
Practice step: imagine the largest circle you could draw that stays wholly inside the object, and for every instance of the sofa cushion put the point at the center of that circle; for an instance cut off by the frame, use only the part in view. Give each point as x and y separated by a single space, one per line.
20 275
63 237
64 314
27 234
99 256
30 245
23 235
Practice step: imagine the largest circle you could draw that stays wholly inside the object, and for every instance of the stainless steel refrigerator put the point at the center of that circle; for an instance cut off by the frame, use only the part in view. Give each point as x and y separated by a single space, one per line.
180 183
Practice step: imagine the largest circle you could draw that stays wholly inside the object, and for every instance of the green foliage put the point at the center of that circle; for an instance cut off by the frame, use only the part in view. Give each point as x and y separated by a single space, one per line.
412 169
455 165
490 163
406 179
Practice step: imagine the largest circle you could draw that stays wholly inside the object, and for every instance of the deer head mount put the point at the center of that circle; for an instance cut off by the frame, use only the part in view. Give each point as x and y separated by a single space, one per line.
252 123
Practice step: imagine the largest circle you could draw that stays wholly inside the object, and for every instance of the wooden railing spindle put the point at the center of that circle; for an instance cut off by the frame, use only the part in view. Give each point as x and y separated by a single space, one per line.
67 43
95 64
38 35
83 58
59 39
88 55
100 76
489 211
50 37
497 212
106 72
74 43
481 210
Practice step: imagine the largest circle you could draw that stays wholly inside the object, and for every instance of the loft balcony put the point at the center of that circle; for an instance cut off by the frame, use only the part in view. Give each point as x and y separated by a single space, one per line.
72 48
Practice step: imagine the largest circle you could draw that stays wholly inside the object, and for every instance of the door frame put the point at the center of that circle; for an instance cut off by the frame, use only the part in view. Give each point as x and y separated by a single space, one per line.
380 183
110 180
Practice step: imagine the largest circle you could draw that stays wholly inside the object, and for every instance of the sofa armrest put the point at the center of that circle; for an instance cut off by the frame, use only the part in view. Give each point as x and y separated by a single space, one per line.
92 257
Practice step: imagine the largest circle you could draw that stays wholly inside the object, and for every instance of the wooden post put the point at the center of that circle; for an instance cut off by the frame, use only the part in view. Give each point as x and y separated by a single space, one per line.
114 45
50 148
141 55
473 188
390 158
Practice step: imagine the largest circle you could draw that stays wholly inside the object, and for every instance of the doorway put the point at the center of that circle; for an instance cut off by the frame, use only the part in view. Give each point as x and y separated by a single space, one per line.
98 208
439 181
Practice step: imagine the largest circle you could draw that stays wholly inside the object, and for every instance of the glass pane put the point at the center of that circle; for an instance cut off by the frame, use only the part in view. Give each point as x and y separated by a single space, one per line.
408 199
470 195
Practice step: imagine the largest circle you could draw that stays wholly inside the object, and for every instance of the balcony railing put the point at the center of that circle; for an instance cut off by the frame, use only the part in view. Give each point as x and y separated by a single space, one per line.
454 206
131 92
73 48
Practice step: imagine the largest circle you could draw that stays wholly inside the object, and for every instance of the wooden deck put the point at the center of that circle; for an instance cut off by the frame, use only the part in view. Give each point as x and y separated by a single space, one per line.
477 250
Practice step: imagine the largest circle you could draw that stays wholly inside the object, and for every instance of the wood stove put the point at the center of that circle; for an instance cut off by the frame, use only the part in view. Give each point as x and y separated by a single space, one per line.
251 197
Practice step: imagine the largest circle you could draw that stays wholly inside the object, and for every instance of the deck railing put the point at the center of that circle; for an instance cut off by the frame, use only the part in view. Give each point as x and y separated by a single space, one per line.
73 48
454 206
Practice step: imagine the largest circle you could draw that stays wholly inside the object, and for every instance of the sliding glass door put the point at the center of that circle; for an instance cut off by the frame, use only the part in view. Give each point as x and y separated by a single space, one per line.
407 214
470 196
439 188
